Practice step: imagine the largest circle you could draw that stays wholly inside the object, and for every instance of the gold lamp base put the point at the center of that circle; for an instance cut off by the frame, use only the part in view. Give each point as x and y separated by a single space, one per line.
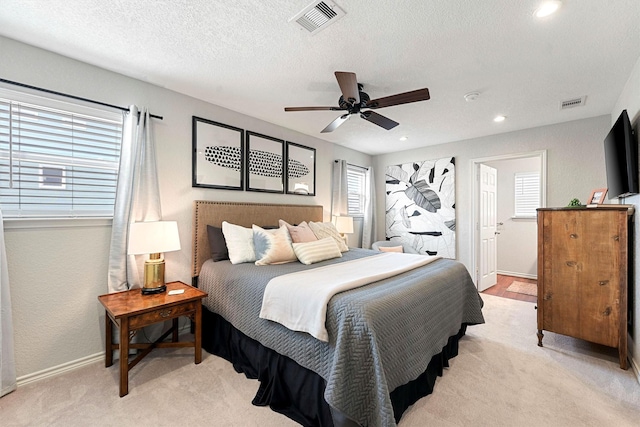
154 275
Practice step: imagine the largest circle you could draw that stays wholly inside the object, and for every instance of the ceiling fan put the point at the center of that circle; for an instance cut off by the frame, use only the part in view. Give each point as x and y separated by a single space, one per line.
353 100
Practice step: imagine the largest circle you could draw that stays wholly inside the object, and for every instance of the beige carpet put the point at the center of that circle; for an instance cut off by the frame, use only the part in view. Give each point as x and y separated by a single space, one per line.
500 378
523 288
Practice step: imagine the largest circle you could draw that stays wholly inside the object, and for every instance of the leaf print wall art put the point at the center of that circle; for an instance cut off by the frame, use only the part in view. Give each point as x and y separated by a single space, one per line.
420 206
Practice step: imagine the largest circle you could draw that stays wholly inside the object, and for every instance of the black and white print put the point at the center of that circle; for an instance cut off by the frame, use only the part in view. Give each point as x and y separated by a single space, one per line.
218 155
265 166
420 206
301 169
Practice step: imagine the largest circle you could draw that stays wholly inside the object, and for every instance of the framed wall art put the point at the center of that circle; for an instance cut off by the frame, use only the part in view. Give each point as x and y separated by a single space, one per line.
301 169
218 155
265 164
420 206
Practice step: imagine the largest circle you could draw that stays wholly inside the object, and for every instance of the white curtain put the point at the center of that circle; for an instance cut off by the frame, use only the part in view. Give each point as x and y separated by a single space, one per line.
368 221
137 198
339 203
7 361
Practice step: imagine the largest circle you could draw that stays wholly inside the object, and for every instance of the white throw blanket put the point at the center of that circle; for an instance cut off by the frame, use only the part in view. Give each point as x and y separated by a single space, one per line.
299 300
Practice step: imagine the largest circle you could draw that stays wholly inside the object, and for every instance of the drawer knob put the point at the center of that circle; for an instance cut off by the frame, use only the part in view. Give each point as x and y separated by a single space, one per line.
607 311
571 263
616 238
165 313
547 296
573 236
603 282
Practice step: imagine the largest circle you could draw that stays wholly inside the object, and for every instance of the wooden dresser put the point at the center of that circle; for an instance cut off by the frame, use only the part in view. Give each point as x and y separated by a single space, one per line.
583 272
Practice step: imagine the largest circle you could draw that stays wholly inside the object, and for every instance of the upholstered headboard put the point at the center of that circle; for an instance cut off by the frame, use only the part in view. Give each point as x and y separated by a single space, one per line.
244 214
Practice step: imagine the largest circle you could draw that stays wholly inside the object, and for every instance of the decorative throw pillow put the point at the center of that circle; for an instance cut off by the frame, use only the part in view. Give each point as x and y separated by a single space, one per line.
316 251
299 233
327 229
391 249
239 243
217 244
272 246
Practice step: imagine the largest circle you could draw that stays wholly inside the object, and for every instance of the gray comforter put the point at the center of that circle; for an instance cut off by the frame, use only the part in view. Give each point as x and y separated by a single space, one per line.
381 336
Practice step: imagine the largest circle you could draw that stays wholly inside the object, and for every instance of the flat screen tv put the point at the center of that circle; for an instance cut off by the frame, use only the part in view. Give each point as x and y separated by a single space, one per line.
621 157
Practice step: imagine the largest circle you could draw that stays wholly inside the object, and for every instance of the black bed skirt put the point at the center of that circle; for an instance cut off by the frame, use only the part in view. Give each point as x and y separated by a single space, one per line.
295 391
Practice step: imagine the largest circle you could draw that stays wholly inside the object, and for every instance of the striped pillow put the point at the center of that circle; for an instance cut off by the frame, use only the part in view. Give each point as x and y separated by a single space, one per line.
320 250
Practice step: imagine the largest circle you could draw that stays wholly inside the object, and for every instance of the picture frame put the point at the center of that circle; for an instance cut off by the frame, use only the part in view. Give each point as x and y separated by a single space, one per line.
597 196
300 169
265 163
218 155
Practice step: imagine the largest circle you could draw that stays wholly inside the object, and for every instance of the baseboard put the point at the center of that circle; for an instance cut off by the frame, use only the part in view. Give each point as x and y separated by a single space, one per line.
523 275
60 369
74 364
635 367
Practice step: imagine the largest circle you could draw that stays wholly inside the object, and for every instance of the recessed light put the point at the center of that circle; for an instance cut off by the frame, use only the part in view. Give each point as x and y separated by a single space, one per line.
499 119
471 96
404 138
547 8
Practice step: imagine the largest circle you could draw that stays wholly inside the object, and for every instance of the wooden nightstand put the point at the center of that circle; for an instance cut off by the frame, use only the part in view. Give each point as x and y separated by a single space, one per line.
130 311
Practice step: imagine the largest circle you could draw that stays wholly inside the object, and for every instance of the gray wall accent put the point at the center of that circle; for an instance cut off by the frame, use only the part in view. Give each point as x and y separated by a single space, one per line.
56 274
575 166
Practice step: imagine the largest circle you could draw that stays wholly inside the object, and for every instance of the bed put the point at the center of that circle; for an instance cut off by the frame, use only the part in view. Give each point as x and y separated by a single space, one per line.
388 341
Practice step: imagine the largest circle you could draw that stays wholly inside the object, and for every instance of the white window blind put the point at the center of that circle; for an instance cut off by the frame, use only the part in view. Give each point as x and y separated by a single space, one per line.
57 162
527 194
355 190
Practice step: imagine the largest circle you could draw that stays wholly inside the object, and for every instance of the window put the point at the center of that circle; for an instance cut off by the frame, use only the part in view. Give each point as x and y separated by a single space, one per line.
527 194
57 159
355 190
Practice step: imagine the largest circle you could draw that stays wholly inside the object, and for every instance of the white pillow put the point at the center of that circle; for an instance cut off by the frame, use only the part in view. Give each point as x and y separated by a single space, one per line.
272 246
319 250
327 229
239 243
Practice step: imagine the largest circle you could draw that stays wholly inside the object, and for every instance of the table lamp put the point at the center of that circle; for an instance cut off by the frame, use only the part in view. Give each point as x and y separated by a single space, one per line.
153 238
344 225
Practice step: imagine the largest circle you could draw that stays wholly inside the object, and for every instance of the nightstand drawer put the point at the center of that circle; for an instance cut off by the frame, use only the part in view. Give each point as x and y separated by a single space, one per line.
162 314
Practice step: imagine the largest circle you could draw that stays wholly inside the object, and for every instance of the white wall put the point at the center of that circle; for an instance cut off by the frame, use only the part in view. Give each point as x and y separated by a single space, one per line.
630 100
518 239
575 166
57 273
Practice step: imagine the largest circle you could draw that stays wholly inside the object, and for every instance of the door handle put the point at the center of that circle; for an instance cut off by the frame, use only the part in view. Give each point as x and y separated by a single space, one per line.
497 232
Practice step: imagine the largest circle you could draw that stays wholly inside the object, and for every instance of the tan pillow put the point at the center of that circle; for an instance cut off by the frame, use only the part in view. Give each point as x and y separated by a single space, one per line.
391 249
300 233
327 229
316 251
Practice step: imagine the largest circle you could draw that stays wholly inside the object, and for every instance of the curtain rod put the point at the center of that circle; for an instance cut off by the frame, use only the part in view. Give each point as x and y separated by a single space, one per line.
71 96
355 166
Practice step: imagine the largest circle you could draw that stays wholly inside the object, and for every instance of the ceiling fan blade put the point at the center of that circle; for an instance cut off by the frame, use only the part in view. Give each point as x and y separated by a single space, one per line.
348 85
378 119
334 124
313 109
400 98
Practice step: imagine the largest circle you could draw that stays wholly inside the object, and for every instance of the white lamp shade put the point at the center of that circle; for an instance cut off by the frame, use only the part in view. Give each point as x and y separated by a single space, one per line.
344 224
153 237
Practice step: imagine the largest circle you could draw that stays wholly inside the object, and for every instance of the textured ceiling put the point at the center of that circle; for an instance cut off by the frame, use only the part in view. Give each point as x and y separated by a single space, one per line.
246 56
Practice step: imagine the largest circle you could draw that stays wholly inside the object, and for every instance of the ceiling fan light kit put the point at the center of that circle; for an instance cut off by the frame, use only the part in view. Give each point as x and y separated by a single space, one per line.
353 100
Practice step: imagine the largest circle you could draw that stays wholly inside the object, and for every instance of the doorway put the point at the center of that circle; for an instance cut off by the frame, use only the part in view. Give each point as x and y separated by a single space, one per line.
513 250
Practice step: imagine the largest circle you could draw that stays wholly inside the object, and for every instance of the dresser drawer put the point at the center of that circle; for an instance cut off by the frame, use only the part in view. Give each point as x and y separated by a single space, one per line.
166 313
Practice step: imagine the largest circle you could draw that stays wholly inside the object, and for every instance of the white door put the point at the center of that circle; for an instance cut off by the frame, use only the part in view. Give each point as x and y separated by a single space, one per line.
487 224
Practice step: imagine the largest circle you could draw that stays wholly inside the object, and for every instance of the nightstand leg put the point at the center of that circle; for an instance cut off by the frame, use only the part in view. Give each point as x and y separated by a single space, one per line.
174 337
108 338
124 356
197 340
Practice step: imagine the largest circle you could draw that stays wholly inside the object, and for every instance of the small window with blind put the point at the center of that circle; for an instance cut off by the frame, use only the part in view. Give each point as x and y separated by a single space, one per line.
527 194
57 159
355 190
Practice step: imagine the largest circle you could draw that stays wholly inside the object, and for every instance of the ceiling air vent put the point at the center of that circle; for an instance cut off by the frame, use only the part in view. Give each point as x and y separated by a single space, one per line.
318 16
571 103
